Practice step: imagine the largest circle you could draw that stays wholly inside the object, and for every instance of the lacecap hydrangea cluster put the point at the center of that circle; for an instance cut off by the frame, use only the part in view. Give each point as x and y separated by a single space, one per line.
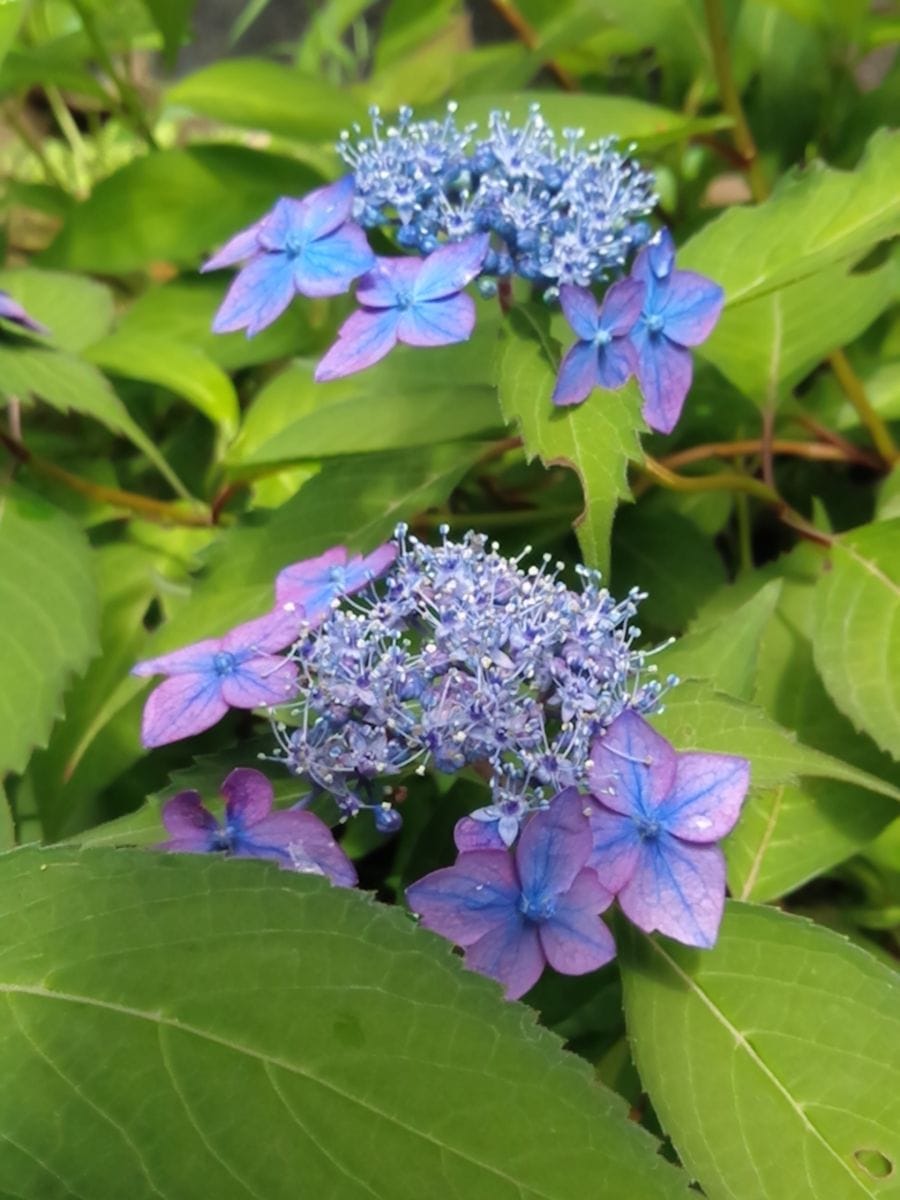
561 213
456 658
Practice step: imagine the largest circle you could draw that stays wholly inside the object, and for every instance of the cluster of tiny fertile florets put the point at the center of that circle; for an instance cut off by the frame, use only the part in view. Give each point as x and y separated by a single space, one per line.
564 211
463 658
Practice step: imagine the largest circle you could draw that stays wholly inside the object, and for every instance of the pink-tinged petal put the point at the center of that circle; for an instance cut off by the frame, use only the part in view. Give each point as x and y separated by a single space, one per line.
664 371
470 835
300 579
263 682
677 889
181 706
577 374
622 306
327 208
248 796
617 847
388 282
301 842
364 338
633 766
511 953
580 309
189 660
690 306
281 225
469 899
574 939
705 801
554 845
242 246
328 266
258 296
450 268
264 635
437 322
379 561
615 364
186 819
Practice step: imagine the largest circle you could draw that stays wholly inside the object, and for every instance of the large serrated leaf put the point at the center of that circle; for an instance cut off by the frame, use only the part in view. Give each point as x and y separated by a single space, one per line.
773 1060
48 620
274 1037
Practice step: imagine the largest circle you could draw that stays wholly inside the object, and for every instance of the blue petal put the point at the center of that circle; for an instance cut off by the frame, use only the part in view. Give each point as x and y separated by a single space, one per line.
329 265
664 371
622 306
690 305
577 374
258 296
437 322
327 208
633 766
449 269
677 889
389 281
511 954
554 846
580 310
364 338
615 364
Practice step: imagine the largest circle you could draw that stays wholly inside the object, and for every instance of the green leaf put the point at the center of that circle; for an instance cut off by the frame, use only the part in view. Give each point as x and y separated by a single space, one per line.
7 824
857 629
596 439
258 94
815 218
48 620
172 19
178 366
77 311
346 1042
210 192
773 1061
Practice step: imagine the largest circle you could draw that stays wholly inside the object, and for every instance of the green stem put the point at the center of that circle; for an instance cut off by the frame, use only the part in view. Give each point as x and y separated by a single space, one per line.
33 143
72 134
856 394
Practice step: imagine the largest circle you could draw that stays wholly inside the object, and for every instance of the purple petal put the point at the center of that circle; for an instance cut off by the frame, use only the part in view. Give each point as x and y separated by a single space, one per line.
11 310
258 295
181 706
615 364
511 953
329 265
449 269
187 820
243 245
322 211
363 339
574 939
677 889
469 899
617 847
248 796
554 846
469 835
281 225
664 372
263 682
301 842
375 564
303 579
577 374
581 310
189 660
437 322
622 306
264 635
705 801
690 305
388 281
634 766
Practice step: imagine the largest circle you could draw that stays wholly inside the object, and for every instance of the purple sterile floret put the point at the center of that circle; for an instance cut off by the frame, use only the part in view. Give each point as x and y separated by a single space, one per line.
316 583
418 301
308 246
297 840
603 356
658 817
494 827
516 912
240 670
11 310
680 310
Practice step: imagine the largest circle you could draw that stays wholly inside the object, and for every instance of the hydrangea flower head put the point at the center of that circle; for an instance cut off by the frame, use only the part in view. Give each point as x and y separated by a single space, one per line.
12 311
316 583
516 912
656 824
240 670
309 247
297 841
603 355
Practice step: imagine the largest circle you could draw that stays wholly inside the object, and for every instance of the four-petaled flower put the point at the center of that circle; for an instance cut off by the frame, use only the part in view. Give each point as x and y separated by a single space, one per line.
515 912
603 356
680 310
656 822
12 311
239 670
297 840
418 301
307 246
316 583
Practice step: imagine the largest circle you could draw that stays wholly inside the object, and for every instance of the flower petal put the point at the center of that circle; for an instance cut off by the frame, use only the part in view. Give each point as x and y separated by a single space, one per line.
187 820
622 306
329 265
705 801
574 939
690 305
437 322
327 208
450 268
554 846
615 364
302 581
264 635
634 766
364 338
580 309
577 374
677 889
389 280
511 953
263 682
617 847
661 253
301 842
248 796
11 310
189 660
469 899
181 706
258 295
664 371
242 246
469 835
